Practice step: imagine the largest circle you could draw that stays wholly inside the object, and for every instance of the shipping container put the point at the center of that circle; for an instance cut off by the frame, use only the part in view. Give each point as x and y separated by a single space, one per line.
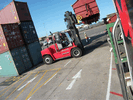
17 58
7 65
25 57
15 12
86 10
28 32
111 18
10 37
34 50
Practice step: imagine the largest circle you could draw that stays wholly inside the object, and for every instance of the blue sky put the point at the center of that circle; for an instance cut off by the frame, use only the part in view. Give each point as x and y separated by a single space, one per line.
48 15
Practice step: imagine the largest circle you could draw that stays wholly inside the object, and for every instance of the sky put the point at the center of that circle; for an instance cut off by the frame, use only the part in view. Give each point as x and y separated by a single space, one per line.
48 15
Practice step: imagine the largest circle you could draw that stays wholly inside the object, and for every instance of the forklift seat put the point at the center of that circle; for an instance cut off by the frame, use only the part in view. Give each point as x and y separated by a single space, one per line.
59 46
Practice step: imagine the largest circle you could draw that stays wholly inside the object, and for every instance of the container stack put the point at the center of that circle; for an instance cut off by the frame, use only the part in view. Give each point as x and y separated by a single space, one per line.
19 46
31 41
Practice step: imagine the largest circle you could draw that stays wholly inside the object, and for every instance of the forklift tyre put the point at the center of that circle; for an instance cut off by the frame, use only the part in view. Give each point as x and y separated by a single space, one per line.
47 59
76 52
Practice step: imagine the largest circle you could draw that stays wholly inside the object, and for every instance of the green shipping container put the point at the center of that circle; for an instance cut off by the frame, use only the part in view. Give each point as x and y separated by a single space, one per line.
7 66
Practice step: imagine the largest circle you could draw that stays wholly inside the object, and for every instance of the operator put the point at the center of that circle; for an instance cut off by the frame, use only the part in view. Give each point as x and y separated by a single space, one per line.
86 37
63 40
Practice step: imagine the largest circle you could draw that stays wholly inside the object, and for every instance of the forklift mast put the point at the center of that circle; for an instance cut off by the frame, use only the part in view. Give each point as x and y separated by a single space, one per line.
71 20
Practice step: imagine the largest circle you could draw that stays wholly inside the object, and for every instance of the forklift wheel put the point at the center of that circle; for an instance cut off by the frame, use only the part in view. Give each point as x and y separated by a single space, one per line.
48 60
76 52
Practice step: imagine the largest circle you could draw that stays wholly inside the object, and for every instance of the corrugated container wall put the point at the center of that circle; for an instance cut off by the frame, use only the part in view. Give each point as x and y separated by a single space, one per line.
3 43
34 50
10 37
28 32
112 19
25 57
21 59
7 65
86 10
15 12
18 60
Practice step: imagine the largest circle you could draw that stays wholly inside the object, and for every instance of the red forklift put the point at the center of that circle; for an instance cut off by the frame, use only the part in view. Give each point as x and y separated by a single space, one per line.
65 44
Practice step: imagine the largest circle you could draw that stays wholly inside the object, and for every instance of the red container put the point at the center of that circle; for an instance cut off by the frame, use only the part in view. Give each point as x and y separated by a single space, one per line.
10 37
86 10
112 18
3 43
15 12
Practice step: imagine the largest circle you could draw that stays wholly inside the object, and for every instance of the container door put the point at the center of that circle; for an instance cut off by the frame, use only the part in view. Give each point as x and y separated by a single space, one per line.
25 57
28 32
23 11
18 60
34 50
12 35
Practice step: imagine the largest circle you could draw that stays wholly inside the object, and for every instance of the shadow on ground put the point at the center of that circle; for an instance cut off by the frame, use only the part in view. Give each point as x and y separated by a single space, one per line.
95 42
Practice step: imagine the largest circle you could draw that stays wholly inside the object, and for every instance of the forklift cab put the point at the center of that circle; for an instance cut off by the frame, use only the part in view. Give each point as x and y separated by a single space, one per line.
63 40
